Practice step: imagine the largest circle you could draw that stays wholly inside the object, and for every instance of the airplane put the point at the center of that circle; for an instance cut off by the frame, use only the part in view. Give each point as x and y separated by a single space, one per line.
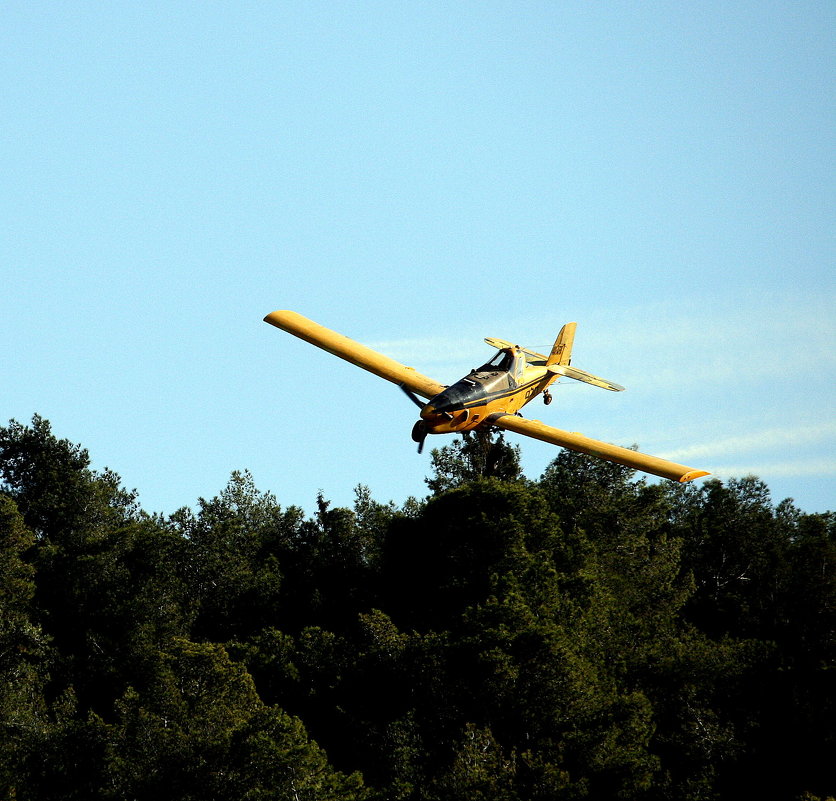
490 396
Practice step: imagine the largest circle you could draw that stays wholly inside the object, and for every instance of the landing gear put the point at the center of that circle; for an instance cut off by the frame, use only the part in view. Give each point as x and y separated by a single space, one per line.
547 398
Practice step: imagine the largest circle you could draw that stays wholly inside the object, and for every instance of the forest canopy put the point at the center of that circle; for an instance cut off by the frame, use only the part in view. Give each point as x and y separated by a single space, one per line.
584 635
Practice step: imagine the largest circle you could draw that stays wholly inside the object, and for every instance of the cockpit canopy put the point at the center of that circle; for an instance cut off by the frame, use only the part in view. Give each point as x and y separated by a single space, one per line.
503 360
503 372
507 360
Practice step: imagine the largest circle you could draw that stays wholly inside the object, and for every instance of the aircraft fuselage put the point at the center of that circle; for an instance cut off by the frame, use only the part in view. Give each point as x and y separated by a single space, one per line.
502 386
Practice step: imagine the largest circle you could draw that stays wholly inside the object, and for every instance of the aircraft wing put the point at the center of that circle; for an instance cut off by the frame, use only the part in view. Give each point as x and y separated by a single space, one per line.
594 447
354 352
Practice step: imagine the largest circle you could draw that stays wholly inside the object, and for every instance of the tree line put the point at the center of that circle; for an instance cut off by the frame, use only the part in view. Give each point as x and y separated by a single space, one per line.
586 635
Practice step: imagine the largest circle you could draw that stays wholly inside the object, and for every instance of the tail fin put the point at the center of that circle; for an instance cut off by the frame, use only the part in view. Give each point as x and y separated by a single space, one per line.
561 356
562 351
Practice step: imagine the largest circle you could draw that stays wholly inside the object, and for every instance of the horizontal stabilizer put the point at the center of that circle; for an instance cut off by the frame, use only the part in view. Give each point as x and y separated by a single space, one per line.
499 344
594 447
582 375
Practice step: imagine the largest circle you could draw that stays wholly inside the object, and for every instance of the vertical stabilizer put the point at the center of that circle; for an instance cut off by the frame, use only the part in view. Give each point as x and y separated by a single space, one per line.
562 350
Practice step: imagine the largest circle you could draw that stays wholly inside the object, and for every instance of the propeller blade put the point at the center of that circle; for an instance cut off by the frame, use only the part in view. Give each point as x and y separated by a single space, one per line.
412 396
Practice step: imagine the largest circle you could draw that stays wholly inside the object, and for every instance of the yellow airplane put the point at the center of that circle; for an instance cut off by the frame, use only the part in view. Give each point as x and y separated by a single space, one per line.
489 396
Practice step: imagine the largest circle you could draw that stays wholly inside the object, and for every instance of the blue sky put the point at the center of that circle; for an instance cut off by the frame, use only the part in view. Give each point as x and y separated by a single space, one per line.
417 176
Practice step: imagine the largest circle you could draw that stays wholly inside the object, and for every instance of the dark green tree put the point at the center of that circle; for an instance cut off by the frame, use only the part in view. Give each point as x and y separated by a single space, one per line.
331 572
62 500
196 729
648 567
510 651
84 524
735 547
24 650
480 770
768 573
106 574
231 559
592 635
477 454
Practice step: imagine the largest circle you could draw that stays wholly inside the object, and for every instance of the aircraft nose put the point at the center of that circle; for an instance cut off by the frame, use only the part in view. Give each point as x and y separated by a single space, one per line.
437 414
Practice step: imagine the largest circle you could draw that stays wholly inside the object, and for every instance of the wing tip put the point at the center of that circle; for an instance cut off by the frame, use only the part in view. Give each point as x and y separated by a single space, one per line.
275 315
691 475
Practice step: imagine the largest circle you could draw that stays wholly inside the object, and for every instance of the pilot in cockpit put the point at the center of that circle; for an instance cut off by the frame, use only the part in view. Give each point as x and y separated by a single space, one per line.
506 361
502 361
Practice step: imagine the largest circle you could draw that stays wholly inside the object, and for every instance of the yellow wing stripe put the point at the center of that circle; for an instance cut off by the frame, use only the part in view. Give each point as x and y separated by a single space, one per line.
354 352
594 447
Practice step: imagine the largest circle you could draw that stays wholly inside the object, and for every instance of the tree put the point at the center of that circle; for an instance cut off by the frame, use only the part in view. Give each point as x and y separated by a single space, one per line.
106 576
197 730
62 501
480 770
232 550
439 562
476 455
24 650
753 580
589 494
510 650
592 635
644 561
735 547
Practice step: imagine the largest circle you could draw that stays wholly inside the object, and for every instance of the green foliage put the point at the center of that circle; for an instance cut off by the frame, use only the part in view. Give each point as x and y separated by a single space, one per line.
476 455
199 730
60 498
586 636
24 650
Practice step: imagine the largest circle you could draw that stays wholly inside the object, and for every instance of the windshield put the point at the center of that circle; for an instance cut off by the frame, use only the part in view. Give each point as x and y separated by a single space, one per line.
502 361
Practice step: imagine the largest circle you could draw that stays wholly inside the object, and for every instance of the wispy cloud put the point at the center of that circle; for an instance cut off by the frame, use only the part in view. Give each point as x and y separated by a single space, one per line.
445 359
792 437
822 467
659 345
662 345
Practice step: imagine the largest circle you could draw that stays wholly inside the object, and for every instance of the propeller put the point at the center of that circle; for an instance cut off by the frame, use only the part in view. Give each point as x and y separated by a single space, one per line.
412 396
419 434
419 430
